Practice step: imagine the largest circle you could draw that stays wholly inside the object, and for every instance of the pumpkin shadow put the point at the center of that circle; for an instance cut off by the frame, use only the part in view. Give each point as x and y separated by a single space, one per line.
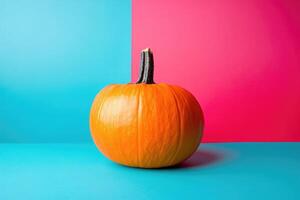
201 158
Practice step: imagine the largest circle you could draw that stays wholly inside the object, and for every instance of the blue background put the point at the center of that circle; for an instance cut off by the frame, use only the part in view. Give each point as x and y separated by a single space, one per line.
54 57
233 171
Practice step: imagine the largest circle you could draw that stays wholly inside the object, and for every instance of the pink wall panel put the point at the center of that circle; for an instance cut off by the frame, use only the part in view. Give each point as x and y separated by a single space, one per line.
241 59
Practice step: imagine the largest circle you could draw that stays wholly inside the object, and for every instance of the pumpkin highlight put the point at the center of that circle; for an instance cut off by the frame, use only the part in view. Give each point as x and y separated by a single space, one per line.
145 124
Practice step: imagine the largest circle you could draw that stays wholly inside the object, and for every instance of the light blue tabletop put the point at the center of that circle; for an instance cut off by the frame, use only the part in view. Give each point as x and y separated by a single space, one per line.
216 171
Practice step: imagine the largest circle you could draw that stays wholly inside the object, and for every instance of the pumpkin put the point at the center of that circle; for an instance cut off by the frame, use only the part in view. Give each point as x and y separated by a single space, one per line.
145 124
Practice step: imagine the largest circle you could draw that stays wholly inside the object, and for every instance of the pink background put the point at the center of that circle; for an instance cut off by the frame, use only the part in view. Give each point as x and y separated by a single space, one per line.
241 59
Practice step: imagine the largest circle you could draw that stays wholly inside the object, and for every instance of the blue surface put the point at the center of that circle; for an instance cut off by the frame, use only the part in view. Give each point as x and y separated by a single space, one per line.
217 171
54 57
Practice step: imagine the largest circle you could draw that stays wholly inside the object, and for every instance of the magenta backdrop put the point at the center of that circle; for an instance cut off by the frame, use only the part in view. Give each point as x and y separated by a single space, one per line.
241 59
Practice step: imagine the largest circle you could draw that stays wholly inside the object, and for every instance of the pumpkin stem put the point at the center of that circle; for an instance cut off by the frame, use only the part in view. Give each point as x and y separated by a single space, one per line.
146 67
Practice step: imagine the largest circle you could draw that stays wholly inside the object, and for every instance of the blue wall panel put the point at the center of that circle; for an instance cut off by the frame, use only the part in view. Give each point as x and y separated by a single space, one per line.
54 57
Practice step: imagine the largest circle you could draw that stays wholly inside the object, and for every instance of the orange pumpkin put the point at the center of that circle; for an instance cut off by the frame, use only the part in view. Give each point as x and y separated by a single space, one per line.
145 124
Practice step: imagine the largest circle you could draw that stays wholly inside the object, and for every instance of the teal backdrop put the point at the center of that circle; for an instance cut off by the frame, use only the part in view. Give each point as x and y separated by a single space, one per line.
54 57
